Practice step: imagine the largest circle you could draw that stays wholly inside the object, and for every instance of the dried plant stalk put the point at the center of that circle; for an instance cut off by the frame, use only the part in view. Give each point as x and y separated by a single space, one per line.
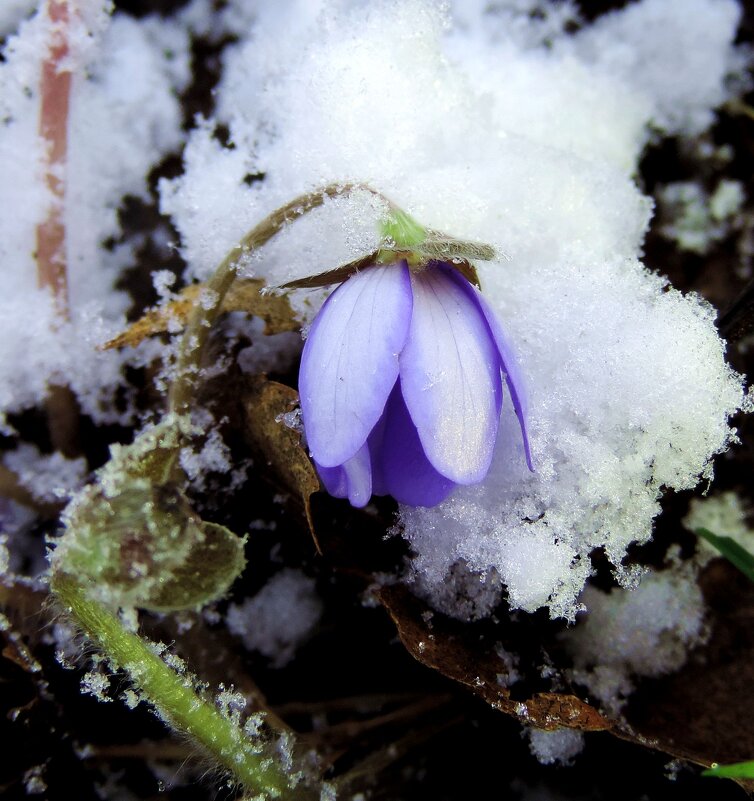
55 94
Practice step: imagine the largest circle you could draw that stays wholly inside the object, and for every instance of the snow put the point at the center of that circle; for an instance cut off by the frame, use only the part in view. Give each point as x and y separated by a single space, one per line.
49 477
558 747
120 66
279 618
646 631
724 514
483 120
696 219
628 386
12 12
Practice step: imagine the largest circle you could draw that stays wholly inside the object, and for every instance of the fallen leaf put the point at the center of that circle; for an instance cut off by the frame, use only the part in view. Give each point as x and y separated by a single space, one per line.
704 712
447 649
245 295
278 444
701 714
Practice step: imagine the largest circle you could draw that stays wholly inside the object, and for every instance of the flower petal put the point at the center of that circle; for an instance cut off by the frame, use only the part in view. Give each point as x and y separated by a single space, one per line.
401 464
350 360
514 381
450 376
352 480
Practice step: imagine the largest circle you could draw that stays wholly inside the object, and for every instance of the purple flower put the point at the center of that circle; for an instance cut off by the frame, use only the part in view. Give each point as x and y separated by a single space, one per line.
401 385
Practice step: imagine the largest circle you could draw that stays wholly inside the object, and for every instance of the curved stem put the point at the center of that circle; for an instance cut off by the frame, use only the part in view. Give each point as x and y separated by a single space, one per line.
205 313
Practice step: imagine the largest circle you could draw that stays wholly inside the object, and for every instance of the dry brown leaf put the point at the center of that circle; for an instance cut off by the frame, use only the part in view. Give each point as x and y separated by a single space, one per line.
289 465
454 656
704 712
245 296
701 714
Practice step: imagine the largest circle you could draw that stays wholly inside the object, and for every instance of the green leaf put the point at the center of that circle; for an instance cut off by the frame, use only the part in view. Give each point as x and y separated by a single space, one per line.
739 770
731 550
209 569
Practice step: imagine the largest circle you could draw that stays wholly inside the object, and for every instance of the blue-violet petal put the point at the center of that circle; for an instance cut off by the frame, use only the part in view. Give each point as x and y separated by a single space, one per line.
406 472
350 360
352 480
450 376
514 381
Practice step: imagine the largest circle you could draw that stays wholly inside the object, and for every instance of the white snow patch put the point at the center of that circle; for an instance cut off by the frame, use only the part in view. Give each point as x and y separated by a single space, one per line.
647 631
501 128
279 618
724 514
558 747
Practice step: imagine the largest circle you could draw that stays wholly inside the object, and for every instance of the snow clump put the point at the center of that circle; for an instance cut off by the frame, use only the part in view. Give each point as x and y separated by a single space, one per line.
279 618
529 140
642 632
558 747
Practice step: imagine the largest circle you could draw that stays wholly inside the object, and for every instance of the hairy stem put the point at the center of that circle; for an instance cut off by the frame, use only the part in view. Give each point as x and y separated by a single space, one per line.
209 306
173 695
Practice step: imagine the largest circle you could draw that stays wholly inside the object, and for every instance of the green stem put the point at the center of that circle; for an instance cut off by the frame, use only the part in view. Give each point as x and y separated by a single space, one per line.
739 770
171 694
203 316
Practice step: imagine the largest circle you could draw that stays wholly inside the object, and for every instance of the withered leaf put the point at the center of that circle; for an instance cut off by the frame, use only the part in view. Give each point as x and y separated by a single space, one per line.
704 712
336 276
701 714
454 657
280 446
244 295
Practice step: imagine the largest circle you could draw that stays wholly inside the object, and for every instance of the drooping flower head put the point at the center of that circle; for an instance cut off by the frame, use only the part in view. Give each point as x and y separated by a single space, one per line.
401 378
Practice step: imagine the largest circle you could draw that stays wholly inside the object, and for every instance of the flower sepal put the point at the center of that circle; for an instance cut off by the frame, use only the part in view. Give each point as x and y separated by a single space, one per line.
404 239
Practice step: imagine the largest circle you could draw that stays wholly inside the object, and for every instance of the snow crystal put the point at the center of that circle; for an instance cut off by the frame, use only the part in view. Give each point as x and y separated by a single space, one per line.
510 674
96 684
501 128
558 747
279 618
34 782
231 704
697 220
4 555
213 456
727 199
48 477
644 632
724 514
124 116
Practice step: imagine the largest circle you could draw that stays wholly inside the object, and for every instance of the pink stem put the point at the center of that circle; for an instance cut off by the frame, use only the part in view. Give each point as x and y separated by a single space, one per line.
55 90
53 128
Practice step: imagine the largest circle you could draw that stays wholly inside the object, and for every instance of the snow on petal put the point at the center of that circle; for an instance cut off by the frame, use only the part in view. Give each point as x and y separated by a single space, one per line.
350 361
450 375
